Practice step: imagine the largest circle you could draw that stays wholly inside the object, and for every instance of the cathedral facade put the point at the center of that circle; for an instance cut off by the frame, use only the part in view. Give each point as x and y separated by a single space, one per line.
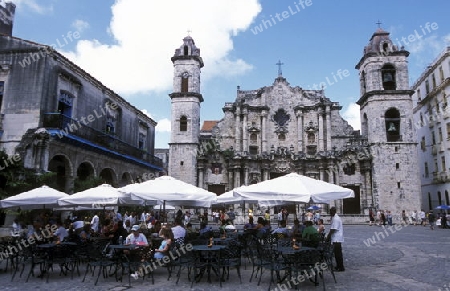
278 129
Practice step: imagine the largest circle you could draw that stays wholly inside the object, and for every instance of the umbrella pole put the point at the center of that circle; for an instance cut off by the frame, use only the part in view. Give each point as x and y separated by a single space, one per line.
243 211
164 211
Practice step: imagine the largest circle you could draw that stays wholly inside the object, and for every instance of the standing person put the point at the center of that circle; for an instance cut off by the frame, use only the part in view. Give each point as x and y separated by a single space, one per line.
267 216
383 218
187 217
423 218
371 217
389 217
280 216
336 236
231 216
94 222
431 219
404 217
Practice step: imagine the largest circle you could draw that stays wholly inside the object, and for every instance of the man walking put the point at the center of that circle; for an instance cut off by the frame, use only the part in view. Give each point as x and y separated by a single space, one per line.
336 235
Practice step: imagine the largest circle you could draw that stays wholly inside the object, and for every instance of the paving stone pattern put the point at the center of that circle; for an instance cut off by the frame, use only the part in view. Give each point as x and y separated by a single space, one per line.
412 258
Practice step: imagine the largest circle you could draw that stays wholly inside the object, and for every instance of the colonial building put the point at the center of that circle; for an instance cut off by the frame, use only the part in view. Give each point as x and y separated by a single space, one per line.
279 128
432 122
59 118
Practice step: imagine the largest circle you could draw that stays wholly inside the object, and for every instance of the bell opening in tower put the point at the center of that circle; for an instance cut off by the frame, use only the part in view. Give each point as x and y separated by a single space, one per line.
388 77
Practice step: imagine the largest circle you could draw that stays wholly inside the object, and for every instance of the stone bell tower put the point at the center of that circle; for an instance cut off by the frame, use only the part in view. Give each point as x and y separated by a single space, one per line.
185 120
386 111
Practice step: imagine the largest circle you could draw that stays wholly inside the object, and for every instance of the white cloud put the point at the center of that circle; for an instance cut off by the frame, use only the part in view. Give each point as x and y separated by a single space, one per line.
80 25
351 114
148 32
32 5
163 125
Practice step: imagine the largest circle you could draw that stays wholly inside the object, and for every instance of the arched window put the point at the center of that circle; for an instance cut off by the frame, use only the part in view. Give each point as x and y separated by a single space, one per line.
439 198
447 200
186 50
183 123
392 121
388 77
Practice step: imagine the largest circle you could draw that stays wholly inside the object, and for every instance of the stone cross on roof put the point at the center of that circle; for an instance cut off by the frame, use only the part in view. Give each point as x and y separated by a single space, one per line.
279 64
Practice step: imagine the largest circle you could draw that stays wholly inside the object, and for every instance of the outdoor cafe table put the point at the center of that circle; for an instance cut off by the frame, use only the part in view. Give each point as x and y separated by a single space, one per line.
121 257
209 254
290 250
222 241
49 249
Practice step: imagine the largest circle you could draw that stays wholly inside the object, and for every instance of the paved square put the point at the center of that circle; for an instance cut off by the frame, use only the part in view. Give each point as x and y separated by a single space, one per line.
376 258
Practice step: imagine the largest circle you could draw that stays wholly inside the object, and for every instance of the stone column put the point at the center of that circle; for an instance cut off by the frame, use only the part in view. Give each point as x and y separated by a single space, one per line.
368 188
237 177
300 131
244 131
331 174
201 182
320 115
328 121
237 116
246 175
321 174
230 179
263 131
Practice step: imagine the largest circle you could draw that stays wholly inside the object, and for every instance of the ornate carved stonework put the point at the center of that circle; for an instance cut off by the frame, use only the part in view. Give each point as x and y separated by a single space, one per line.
281 120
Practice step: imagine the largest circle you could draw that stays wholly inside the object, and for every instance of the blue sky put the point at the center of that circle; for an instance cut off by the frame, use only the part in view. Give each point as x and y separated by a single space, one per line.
127 44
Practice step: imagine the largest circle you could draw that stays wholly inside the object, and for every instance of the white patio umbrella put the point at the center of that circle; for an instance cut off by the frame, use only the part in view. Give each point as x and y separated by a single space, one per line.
42 197
229 198
293 188
99 197
172 191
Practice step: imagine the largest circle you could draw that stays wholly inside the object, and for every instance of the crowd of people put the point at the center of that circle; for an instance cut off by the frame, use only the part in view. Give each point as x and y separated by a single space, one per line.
415 217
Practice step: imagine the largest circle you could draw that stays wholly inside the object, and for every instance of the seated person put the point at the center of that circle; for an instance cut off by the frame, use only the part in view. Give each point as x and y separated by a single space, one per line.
61 233
321 228
229 227
310 235
281 231
167 234
296 230
250 224
119 232
85 234
136 237
16 228
179 232
205 231
262 229
190 230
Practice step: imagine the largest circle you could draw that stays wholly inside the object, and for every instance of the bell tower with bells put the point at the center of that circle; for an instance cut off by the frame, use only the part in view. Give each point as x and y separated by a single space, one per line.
185 109
386 112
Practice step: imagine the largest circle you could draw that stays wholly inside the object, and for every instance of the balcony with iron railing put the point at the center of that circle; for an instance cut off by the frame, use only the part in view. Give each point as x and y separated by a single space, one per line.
104 139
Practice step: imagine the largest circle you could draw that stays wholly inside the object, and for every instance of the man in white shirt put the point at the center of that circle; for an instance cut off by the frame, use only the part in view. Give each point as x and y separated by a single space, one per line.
179 232
336 235
94 223
61 232
136 238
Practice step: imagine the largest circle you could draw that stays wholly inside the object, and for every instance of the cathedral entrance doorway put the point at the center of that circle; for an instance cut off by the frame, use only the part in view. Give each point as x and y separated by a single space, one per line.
216 188
274 175
352 205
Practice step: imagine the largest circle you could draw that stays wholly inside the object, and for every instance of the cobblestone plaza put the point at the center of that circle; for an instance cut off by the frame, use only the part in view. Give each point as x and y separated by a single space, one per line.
402 258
